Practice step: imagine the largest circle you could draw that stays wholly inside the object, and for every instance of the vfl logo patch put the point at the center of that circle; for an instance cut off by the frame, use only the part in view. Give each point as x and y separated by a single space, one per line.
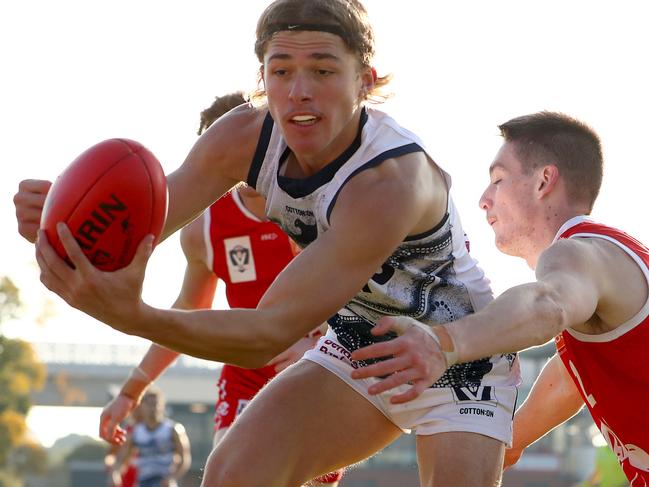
480 395
240 259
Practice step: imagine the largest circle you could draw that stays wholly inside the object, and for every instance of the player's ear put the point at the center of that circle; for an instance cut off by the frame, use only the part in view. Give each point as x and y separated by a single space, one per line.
368 81
548 178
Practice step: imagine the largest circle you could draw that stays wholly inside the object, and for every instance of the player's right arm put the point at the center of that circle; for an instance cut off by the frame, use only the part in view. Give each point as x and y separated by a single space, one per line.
554 399
197 291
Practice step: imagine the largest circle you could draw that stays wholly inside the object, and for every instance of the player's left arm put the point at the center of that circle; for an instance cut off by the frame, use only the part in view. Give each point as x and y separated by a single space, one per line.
567 292
182 452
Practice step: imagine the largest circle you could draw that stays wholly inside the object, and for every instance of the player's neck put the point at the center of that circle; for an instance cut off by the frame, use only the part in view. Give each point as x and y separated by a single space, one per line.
153 423
546 230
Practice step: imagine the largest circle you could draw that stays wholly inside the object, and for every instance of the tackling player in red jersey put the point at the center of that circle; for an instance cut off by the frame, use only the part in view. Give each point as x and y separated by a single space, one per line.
591 294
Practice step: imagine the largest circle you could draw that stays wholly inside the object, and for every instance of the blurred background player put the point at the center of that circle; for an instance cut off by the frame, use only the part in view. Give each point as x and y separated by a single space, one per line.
231 241
127 477
161 445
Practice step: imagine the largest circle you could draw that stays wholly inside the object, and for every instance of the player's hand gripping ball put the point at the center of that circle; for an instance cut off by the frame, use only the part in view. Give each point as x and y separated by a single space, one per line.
111 196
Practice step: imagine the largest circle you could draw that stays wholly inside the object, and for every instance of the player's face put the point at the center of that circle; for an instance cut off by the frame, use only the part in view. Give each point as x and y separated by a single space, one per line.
509 203
314 86
151 407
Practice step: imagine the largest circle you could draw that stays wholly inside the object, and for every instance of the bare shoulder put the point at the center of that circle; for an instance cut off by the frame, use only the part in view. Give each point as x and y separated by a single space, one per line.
232 141
591 255
600 264
179 429
565 254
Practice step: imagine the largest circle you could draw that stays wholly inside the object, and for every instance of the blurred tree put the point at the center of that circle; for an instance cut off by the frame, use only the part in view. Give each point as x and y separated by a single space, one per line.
9 480
12 430
29 457
20 373
9 299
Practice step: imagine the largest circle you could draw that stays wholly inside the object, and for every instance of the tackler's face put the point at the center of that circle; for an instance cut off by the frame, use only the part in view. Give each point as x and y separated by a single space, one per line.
314 86
508 202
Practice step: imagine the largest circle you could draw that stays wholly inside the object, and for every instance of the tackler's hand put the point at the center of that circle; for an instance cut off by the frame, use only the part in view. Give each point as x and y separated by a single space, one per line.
113 414
111 297
418 356
512 455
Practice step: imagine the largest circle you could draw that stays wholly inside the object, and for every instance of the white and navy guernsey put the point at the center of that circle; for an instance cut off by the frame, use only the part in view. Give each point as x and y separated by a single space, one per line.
430 277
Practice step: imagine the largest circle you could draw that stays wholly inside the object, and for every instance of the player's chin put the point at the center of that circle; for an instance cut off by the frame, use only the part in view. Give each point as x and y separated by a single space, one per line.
506 247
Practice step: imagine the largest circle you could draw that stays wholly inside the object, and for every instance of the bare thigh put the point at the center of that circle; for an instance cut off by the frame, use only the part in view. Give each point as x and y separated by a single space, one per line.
459 459
304 423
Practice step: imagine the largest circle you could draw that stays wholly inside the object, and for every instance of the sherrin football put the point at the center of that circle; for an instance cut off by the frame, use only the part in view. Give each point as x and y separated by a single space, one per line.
111 196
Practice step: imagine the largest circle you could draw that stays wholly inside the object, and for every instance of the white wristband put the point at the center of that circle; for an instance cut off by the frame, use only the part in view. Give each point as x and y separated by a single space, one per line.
445 344
139 370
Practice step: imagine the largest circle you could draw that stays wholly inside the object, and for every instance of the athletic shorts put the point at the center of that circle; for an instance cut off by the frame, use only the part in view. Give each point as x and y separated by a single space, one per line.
228 407
156 482
484 409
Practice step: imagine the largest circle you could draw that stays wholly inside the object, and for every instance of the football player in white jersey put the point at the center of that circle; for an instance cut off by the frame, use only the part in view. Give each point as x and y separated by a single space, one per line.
161 445
375 212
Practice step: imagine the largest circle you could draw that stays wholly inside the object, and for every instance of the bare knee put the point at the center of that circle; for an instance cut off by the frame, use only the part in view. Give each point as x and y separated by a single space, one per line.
221 470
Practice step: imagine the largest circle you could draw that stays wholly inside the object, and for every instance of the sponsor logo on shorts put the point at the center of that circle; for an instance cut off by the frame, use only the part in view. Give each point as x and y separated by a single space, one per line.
336 350
477 412
478 395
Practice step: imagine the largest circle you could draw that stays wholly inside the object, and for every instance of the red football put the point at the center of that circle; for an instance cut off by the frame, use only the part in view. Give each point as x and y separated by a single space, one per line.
111 196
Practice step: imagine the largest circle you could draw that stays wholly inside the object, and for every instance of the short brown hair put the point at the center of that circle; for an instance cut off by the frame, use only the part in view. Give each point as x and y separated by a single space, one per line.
555 138
220 106
347 18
